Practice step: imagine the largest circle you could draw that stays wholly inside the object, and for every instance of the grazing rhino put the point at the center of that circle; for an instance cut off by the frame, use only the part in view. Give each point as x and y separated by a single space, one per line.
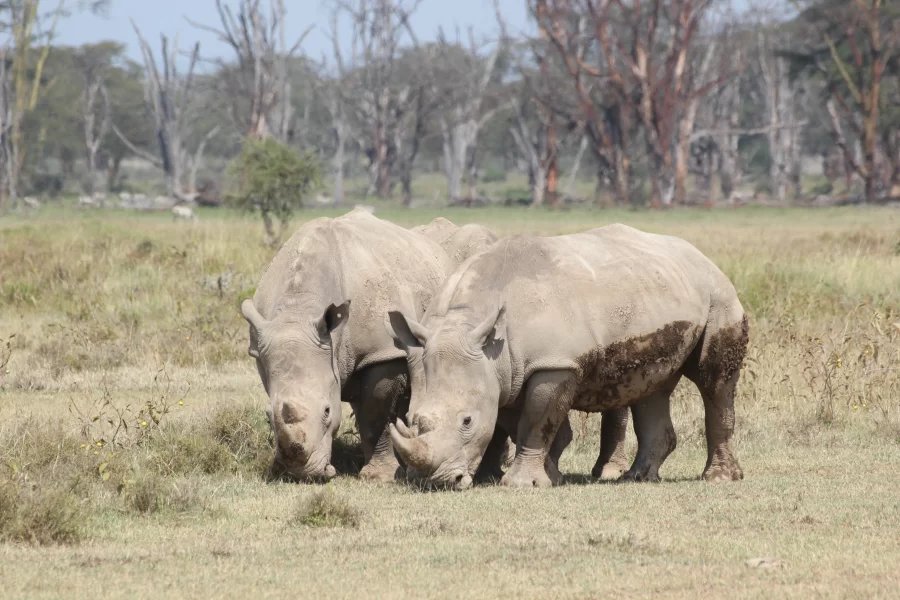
534 327
316 333
460 243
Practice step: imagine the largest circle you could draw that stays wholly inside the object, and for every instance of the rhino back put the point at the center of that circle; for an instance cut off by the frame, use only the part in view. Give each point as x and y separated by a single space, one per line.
375 264
459 243
568 296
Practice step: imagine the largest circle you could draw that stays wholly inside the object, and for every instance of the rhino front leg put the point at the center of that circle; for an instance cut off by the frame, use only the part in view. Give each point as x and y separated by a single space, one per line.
612 461
548 397
383 394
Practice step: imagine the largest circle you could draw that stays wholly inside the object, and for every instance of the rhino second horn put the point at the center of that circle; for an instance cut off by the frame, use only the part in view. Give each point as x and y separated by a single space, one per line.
404 430
414 452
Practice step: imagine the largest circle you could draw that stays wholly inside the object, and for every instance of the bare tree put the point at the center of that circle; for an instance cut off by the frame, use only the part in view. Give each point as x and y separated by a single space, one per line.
95 129
22 60
258 84
780 102
336 100
168 97
853 44
601 113
379 97
540 146
462 116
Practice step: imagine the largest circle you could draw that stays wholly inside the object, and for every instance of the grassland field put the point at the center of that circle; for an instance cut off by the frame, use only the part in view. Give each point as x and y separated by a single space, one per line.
135 457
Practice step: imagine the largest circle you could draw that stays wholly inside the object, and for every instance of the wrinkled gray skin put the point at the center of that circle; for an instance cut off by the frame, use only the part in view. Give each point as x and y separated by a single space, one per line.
317 335
534 327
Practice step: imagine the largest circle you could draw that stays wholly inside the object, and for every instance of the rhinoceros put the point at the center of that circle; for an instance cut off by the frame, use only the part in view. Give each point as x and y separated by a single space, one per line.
536 326
459 242
317 335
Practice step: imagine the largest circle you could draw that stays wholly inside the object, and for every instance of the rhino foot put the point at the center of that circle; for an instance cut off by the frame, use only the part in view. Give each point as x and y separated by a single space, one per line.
381 473
608 472
723 473
527 477
638 475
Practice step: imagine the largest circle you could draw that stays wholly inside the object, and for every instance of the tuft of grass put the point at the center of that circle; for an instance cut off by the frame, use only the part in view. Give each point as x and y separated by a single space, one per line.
41 516
153 493
326 509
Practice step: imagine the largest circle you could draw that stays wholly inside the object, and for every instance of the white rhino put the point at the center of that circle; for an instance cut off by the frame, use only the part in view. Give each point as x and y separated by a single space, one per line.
534 327
316 333
459 242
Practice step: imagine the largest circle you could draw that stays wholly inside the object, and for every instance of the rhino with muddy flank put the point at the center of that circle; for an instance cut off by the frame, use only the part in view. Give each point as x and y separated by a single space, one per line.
536 326
317 336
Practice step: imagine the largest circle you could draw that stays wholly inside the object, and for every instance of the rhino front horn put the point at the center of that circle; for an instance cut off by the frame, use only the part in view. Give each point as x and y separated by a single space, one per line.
413 451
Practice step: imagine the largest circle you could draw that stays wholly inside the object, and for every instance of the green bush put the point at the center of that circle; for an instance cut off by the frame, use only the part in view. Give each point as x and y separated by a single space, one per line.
325 509
274 180
151 493
822 188
493 175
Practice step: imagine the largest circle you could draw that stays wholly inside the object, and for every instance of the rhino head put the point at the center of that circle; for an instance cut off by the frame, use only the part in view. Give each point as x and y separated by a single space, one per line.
294 357
453 412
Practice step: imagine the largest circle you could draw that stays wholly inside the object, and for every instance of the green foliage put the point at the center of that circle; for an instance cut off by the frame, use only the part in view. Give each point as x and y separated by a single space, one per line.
493 175
822 188
274 180
326 509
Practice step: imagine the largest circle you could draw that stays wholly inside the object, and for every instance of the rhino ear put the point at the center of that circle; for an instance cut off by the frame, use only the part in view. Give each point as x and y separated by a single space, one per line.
331 319
480 335
405 331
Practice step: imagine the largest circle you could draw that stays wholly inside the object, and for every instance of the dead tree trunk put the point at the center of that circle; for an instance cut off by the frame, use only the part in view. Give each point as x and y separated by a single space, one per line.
168 97
463 119
258 84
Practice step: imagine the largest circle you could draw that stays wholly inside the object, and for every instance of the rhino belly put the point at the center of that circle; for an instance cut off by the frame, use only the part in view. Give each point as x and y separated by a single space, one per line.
624 372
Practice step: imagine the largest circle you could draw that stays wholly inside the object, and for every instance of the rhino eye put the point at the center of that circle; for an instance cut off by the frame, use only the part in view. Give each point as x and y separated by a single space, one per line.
467 421
327 411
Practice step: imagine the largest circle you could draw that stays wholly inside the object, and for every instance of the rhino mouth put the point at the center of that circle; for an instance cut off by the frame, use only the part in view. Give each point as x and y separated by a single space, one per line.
458 481
417 453
317 468
305 474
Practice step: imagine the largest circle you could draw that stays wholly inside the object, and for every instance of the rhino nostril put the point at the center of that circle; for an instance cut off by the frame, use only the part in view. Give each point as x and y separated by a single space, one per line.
458 479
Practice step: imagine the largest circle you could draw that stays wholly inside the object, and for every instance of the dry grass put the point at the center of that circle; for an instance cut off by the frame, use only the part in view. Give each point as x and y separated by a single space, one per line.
133 440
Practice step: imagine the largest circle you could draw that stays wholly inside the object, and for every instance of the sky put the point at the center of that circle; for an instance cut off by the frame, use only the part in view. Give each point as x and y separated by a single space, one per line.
154 17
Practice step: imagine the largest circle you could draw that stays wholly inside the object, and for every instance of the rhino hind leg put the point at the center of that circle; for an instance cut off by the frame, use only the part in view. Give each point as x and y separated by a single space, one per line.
383 393
715 371
548 397
655 434
612 462
721 462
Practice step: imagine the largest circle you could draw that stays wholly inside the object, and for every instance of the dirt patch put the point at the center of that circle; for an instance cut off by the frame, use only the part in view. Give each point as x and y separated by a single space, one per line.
625 371
725 353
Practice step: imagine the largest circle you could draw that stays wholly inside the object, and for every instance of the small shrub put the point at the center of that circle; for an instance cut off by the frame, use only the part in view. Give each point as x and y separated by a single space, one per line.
42 516
150 494
274 180
325 509
191 452
493 175
822 188
244 431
